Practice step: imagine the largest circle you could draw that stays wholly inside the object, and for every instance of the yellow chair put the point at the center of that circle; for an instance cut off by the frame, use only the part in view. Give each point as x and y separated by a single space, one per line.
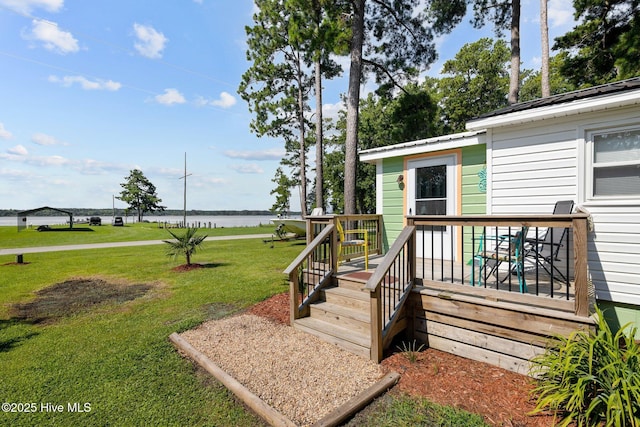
355 242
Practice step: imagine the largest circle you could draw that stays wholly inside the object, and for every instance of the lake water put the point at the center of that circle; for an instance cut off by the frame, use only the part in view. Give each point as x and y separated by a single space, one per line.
204 220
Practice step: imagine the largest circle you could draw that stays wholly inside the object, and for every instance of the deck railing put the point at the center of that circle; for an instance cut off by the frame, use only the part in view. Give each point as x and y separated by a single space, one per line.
465 250
310 271
390 286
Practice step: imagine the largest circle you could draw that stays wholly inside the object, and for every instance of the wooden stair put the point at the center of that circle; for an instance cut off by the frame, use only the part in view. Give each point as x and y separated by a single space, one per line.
341 316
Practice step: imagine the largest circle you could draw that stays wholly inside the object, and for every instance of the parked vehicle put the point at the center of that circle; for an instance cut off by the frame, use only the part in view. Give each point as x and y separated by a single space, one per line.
95 220
117 221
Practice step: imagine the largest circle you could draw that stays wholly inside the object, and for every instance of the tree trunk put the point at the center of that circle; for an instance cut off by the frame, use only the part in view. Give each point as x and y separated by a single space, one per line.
514 81
303 160
544 32
353 103
319 138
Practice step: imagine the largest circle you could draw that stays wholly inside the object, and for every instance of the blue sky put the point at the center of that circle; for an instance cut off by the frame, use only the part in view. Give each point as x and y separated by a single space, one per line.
93 89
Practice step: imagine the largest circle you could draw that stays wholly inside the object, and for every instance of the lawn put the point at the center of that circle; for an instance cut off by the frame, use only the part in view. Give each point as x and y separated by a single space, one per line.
110 357
83 334
11 238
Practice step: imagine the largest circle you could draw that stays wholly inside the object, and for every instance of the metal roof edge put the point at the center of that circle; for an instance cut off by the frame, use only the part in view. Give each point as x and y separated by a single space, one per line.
533 111
437 143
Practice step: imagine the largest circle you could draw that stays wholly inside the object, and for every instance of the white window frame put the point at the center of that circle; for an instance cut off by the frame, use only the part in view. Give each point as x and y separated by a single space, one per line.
590 155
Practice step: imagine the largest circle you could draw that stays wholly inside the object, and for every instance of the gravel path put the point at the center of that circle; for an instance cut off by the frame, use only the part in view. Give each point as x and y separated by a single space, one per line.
299 375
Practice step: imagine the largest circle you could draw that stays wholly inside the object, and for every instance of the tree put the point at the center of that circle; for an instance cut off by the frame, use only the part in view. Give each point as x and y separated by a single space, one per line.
186 244
558 83
319 23
390 38
605 45
545 85
282 191
140 194
505 14
277 84
476 82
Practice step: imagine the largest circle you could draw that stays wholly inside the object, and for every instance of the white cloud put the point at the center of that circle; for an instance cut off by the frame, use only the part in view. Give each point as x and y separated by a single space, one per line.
52 37
85 83
560 13
18 150
250 168
331 111
5 134
271 154
44 139
170 97
26 6
150 42
226 100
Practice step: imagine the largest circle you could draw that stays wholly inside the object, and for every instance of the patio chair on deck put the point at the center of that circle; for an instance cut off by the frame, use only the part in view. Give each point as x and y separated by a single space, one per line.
545 252
509 249
361 240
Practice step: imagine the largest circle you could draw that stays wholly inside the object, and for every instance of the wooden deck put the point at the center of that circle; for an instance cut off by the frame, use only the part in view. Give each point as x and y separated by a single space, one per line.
435 302
499 327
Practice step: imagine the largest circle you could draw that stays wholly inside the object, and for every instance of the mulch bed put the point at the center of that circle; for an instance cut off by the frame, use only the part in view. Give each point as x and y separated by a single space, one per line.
502 397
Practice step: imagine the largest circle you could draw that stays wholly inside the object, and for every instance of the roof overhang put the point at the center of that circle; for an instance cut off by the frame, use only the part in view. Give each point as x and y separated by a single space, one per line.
440 143
581 106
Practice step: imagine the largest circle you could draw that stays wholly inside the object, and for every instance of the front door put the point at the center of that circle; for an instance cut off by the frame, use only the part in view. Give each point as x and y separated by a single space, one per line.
431 190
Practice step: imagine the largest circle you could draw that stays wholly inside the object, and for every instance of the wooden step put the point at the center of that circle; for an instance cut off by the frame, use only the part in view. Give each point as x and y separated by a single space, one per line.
359 300
349 340
353 280
352 318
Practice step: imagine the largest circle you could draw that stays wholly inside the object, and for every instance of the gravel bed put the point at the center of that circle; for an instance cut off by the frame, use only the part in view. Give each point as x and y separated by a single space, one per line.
297 374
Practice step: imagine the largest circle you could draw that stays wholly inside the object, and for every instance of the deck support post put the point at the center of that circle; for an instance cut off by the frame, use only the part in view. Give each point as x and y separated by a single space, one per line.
376 324
294 296
580 266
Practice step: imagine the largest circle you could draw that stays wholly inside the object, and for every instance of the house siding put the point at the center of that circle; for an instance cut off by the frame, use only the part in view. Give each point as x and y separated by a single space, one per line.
392 200
533 166
473 200
473 197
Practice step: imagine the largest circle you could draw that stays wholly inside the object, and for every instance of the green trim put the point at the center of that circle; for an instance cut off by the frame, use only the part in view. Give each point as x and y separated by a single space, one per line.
618 315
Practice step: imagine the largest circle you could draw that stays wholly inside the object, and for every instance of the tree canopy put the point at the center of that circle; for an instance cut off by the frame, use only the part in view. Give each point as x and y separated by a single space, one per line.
140 194
605 45
295 43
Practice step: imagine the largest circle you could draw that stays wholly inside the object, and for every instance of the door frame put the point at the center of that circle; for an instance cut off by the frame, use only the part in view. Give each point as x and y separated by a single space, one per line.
454 174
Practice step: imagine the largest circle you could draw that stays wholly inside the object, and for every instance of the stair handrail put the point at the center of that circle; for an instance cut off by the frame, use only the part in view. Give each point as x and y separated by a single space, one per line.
295 272
380 327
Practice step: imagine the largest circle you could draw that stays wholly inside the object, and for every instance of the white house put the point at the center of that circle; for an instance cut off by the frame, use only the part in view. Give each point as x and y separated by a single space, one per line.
582 145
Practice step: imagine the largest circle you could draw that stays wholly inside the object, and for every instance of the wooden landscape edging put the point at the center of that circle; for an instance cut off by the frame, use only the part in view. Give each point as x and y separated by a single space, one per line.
348 409
258 405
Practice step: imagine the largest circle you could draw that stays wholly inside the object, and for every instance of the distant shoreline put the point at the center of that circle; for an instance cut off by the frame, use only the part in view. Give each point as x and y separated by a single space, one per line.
88 212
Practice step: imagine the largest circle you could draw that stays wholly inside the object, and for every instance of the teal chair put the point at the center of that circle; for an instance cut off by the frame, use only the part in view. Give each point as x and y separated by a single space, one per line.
509 249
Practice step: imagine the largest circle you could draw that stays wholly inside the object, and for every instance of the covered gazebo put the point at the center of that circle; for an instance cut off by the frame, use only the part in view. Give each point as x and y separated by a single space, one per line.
22 216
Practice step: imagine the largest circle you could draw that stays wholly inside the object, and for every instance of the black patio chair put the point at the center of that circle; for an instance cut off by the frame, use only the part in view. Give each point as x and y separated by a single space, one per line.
545 252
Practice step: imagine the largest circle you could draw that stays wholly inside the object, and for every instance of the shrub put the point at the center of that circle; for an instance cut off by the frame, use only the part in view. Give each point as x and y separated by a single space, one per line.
186 244
591 377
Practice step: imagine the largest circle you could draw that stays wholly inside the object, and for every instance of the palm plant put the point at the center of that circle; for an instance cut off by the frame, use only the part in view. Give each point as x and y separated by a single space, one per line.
185 244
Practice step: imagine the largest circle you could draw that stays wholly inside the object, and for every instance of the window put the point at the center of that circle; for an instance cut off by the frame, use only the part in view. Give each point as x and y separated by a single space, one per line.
616 163
431 190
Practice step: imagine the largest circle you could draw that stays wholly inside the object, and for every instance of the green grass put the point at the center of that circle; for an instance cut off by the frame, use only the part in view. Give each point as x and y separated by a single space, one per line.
112 352
12 238
404 411
116 356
